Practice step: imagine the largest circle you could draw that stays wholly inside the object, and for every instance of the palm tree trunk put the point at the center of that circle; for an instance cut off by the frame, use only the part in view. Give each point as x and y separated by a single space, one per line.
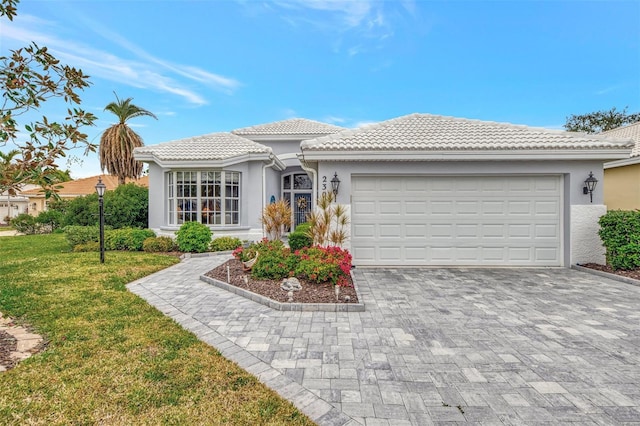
121 180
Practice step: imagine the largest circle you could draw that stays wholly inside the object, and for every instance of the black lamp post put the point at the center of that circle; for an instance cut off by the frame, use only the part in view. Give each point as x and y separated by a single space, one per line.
100 188
590 185
335 184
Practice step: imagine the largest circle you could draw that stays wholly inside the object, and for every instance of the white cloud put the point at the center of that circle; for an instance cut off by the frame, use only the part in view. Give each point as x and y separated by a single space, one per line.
354 23
145 71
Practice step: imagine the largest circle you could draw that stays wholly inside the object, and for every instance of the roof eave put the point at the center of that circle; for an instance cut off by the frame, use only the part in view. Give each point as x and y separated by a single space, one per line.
621 163
207 163
471 155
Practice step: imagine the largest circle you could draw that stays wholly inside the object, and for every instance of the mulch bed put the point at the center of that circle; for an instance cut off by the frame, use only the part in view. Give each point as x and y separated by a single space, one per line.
310 293
634 273
8 344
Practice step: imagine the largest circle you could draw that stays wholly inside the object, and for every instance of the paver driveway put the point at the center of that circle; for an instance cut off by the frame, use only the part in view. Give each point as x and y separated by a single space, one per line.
496 346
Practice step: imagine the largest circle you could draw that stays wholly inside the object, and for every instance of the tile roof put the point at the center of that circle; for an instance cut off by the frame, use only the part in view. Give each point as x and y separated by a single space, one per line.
293 126
427 132
213 146
86 186
632 131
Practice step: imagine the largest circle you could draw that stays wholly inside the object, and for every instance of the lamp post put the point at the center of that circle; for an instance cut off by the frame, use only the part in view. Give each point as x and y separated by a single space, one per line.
590 185
100 188
335 184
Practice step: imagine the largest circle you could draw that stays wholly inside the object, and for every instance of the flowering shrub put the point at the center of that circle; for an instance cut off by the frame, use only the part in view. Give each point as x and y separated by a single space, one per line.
320 264
316 264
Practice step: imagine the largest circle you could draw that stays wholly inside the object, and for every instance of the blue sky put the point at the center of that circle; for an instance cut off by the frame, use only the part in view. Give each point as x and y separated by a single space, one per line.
207 66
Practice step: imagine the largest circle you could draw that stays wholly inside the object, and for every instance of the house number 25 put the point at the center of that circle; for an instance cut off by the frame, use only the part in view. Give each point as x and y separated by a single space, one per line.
324 183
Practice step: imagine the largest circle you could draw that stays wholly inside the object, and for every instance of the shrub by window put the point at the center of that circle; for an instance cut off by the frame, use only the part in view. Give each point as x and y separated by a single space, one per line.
225 243
193 237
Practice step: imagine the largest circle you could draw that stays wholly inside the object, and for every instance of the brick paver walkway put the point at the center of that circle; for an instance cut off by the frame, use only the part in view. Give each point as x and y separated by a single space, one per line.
492 346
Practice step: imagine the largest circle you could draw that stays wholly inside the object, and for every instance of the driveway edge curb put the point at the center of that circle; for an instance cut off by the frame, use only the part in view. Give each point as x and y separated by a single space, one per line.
614 277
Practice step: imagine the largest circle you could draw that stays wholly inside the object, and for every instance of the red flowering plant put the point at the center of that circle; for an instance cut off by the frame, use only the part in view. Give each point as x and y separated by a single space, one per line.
321 264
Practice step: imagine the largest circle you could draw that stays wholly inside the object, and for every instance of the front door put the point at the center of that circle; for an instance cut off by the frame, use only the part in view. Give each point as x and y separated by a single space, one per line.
297 189
301 206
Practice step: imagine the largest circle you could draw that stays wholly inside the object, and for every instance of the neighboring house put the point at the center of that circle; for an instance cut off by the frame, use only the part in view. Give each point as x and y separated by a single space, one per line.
13 205
421 189
73 189
622 177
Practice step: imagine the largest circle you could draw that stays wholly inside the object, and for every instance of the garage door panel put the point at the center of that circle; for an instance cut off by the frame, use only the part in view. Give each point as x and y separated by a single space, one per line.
427 220
363 230
361 208
415 207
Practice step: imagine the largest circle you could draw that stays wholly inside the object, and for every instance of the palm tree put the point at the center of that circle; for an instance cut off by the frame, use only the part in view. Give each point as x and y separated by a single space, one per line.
118 141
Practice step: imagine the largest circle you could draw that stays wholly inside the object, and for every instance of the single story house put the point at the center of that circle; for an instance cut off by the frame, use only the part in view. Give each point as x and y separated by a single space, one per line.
14 205
38 202
421 190
622 177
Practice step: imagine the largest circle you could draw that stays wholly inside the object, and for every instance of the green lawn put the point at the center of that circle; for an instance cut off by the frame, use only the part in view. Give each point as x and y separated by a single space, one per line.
111 358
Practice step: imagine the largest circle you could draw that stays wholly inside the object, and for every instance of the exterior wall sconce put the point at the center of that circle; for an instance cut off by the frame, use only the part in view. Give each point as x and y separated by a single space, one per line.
100 188
335 184
590 185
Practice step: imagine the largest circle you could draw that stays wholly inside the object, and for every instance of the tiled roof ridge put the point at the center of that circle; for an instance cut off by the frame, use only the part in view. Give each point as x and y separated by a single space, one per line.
150 148
575 137
259 128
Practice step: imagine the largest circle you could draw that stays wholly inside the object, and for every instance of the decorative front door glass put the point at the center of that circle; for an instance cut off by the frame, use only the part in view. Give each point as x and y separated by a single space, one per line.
301 207
297 189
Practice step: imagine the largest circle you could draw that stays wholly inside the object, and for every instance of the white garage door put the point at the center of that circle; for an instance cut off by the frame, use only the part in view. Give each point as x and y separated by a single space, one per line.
456 220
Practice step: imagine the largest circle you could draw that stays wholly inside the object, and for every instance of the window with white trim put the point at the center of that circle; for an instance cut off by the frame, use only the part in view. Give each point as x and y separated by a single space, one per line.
209 197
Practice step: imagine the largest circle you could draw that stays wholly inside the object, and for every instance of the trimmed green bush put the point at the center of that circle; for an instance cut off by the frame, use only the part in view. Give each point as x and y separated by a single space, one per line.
620 234
193 237
50 220
274 263
300 238
225 243
130 239
159 245
77 235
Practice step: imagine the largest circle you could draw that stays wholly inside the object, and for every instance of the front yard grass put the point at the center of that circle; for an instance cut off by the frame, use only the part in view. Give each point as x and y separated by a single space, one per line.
112 358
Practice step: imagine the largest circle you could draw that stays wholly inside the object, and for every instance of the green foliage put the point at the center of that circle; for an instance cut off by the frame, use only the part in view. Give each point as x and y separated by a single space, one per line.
90 246
321 264
25 224
225 243
301 237
600 121
130 239
79 211
620 234
29 77
159 245
45 223
274 261
127 206
77 235
315 264
50 220
193 237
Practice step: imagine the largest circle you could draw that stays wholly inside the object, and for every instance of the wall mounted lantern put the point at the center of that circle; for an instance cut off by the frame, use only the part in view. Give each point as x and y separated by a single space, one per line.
100 188
335 184
590 185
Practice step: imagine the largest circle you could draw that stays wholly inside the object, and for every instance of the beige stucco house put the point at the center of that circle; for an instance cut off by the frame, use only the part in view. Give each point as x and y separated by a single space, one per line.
622 177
